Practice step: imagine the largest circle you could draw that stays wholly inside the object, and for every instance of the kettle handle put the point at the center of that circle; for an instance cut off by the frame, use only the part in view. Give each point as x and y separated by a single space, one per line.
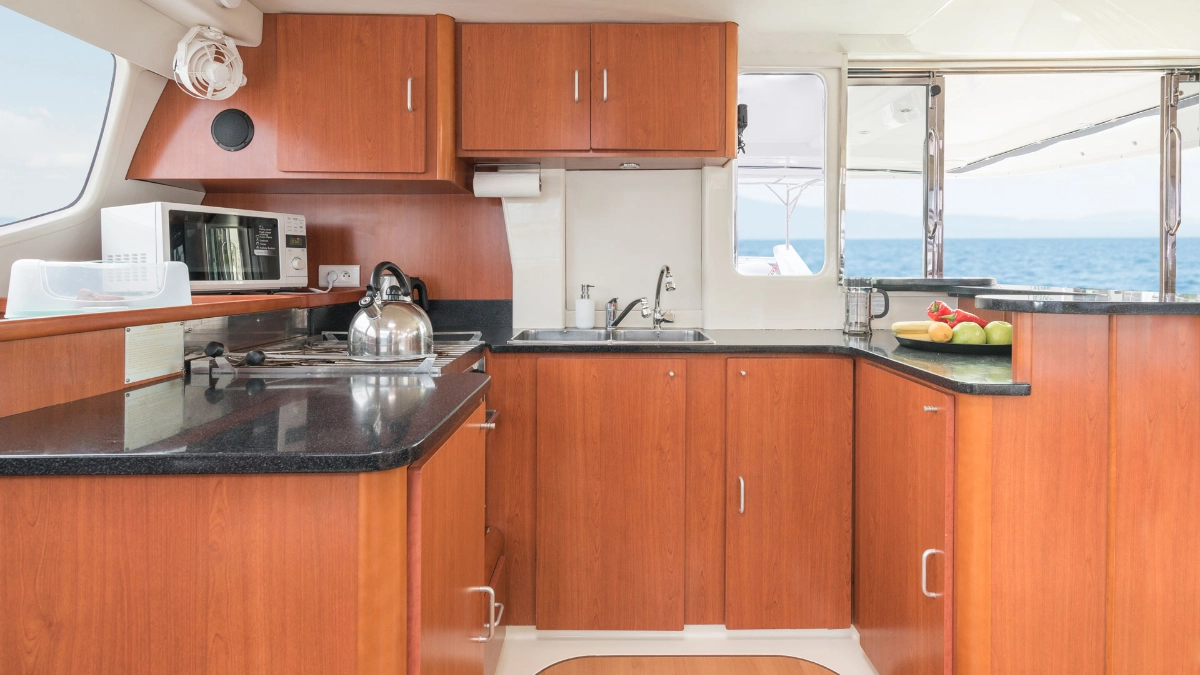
420 294
385 266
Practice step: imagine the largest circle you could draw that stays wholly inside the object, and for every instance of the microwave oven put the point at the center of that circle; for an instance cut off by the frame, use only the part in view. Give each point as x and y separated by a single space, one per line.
224 249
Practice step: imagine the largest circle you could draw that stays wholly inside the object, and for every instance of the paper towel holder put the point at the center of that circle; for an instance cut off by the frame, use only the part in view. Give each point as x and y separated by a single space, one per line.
520 167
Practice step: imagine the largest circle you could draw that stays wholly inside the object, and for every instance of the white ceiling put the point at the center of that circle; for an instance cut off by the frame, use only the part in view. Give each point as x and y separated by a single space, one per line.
868 29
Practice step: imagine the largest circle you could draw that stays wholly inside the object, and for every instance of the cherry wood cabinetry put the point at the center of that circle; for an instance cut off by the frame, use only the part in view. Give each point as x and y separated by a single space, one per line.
525 86
658 87
194 575
789 442
1154 528
904 448
598 90
446 554
330 113
610 493
351 93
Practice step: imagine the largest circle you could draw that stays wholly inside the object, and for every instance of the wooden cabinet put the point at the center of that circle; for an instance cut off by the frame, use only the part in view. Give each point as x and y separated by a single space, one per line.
446 612
598 90
329 99
788 501
351 93
904 446
525 86
658 86
610 493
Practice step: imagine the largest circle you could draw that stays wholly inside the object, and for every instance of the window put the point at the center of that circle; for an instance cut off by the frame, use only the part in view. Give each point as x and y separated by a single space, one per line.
53 103
780 220
1053 178
886 127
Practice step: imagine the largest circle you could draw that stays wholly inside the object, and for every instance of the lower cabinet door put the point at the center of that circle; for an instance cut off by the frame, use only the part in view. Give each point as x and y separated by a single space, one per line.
904 444
789 426
446 534
610 477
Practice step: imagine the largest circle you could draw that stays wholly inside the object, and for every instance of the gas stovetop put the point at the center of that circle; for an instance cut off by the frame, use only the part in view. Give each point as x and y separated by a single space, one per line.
327 354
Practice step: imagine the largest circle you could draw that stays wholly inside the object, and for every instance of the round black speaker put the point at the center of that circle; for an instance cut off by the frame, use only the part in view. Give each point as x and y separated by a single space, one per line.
232 129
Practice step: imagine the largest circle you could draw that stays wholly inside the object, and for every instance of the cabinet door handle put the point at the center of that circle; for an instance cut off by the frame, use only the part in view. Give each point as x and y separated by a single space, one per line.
605 99
410 107
931 408
741 495
925 572
494 617
577 86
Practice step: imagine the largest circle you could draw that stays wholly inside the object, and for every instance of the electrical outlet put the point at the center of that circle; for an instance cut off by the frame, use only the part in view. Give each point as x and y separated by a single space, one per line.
347 275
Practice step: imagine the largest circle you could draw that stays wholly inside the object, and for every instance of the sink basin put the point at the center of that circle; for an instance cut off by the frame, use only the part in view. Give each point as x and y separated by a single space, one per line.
599 336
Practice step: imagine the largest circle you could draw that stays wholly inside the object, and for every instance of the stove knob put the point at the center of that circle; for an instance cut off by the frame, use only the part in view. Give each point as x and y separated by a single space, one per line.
297 263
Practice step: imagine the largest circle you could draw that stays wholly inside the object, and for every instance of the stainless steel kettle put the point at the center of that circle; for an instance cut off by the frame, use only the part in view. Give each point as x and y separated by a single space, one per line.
388 329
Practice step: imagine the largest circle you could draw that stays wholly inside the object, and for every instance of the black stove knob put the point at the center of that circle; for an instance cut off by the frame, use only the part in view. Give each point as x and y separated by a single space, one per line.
214 349
255 358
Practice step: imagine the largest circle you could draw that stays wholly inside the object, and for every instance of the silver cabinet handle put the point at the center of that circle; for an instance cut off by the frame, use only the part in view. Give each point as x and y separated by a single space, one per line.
577 86
410 108
489 422
742 372
741 495
493 616
925 572
931 408
605 85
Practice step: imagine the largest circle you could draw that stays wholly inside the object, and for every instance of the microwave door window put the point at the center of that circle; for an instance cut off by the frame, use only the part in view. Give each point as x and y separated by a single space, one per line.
220 247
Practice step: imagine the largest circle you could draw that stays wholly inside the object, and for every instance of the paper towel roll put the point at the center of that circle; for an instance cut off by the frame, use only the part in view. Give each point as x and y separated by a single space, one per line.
508 184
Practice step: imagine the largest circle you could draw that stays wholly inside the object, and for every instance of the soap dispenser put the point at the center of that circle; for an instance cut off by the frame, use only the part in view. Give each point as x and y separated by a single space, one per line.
585 308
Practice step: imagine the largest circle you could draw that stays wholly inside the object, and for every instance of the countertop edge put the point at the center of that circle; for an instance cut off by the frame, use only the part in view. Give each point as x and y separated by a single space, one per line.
1089 307
166 465
956 386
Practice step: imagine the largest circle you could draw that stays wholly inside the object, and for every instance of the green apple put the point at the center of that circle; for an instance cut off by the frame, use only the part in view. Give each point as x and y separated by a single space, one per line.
999 333
967 333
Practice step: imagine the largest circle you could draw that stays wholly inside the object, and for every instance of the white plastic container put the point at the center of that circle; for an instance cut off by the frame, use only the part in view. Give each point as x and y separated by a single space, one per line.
41 288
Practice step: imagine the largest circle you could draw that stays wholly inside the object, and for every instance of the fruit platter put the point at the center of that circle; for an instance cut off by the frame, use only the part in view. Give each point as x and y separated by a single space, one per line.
954 331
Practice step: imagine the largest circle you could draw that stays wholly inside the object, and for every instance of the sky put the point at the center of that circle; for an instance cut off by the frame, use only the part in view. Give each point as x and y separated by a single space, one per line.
53 93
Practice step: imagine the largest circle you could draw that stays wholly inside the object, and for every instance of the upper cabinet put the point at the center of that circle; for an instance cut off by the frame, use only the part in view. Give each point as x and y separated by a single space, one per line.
599 90
341 103
526 86
658 87
351 93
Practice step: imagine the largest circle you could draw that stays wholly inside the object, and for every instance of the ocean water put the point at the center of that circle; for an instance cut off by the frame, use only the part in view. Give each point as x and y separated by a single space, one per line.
1118 264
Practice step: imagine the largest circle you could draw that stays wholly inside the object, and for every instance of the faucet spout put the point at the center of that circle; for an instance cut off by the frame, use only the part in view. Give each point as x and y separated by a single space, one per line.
610 311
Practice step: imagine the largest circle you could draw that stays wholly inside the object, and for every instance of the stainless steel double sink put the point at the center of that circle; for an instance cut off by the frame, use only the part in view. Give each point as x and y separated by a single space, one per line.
602 336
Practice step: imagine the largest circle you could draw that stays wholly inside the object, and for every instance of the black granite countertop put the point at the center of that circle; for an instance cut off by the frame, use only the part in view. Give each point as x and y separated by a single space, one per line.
245 425
1098 302
965 374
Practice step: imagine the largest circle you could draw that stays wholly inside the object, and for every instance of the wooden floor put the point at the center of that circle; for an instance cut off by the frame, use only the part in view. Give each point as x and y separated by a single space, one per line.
687 665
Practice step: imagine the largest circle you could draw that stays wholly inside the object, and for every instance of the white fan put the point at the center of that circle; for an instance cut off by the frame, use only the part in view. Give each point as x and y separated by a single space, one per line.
207 64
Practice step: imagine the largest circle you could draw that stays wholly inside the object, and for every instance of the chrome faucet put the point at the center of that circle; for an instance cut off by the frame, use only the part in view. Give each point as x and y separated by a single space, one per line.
661 317
611 318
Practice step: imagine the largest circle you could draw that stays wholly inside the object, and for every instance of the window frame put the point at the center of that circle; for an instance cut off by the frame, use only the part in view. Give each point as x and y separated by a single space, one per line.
826 137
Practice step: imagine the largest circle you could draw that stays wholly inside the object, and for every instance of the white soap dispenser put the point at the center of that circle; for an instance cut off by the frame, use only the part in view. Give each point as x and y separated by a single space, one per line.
585 308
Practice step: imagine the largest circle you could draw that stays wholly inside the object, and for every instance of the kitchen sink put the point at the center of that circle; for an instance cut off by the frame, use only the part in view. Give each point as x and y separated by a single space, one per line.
599 336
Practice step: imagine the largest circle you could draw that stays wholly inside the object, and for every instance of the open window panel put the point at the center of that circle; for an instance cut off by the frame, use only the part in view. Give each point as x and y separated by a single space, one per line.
1186 238
781 176
893 192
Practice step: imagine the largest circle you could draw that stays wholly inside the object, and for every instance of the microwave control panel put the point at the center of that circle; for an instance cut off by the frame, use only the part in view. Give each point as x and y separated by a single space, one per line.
295 249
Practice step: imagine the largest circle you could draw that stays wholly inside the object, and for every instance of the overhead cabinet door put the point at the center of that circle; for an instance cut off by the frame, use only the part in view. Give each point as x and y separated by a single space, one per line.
352 93
526 86
789 424
658 86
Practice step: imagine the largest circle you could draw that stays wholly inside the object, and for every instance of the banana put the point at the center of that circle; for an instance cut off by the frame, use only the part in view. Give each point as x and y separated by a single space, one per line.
923 337
911 327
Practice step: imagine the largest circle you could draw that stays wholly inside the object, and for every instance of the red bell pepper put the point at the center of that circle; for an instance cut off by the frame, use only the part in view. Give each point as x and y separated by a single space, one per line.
962 316
937 310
